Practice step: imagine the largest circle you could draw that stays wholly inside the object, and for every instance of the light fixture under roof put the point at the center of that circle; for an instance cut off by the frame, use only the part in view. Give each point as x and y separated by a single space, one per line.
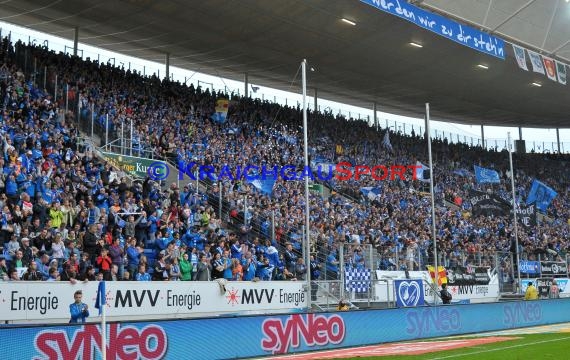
482 66
536 84
416 45
350 22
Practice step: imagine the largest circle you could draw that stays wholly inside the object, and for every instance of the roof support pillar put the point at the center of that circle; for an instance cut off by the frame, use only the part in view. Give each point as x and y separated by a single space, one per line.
246 85
75 40
520 133
375 111
482 137
167 65
316 104
558 139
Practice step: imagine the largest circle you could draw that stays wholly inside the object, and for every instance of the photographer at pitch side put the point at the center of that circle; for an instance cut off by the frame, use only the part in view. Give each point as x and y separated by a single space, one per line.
79 310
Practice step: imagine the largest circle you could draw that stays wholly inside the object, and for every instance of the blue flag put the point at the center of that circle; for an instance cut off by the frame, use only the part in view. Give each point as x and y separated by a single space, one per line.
484 175
540 194
370 192
100 301
265 186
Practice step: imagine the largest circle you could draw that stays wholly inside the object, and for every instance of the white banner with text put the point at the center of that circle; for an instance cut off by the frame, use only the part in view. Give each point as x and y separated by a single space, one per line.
51 300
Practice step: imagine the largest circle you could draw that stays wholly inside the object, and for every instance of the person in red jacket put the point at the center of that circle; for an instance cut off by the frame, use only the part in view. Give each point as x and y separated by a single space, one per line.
104 264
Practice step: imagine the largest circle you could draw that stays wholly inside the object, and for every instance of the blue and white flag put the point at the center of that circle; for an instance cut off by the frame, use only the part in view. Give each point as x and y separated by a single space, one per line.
484 175
409 293
357 280
462 172
386 142
540 194
370 192
265 186
100 300
420 172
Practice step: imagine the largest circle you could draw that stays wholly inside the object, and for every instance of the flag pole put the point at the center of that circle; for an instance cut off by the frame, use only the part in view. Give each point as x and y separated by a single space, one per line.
515 213
436 267
104 333
307 209
100 303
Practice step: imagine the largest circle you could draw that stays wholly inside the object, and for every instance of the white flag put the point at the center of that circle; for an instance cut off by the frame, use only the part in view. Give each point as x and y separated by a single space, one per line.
550 68
521 57
561 71
536 61
386 142
420 172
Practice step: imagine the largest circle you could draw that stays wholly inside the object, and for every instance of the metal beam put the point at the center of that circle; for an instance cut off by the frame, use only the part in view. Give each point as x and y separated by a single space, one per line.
487 13
550 23
520 133
558 139
513 15
482 136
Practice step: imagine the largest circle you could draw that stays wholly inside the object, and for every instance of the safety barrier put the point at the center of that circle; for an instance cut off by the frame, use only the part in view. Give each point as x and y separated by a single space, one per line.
277 334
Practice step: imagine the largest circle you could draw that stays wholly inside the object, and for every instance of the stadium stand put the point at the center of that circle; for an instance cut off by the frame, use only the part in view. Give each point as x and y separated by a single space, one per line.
63 209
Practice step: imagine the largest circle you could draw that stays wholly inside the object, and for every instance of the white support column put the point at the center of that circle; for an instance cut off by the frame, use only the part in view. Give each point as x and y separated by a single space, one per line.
167 65
375 110
315 109
75 41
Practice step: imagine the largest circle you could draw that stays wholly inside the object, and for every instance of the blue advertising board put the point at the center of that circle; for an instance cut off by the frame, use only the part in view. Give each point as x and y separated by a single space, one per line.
529 267
271 335
462 34
409 293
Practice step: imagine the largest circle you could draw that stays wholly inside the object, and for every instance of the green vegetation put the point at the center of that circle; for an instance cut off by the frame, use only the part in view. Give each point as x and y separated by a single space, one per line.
524 347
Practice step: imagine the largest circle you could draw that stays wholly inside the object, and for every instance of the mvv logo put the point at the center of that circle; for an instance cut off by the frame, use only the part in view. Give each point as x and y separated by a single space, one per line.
126 299
255 296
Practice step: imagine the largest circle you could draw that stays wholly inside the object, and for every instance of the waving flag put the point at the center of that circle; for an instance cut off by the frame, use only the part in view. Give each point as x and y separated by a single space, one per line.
536 61
561 72
386 142
221 113
521 57
550 67
540 194
484 175
422 173
441 274
265 186
370 192
100 300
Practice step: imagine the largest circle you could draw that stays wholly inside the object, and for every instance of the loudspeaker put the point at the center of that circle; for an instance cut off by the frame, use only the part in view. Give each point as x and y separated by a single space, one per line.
520 147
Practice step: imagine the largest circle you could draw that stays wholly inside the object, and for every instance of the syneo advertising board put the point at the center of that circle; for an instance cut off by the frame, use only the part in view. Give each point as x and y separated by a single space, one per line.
272 335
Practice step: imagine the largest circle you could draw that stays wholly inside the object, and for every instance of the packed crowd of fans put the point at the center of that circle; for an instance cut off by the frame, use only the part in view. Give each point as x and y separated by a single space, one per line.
67 216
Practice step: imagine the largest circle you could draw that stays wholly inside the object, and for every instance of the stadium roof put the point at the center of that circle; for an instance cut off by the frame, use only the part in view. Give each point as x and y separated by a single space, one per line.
358 65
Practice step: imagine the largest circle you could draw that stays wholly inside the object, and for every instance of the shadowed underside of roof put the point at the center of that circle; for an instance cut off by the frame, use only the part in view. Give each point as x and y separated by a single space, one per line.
359 65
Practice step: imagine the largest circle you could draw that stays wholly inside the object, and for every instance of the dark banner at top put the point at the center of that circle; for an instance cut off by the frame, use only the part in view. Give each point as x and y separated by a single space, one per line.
553 268
488 204
470 275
